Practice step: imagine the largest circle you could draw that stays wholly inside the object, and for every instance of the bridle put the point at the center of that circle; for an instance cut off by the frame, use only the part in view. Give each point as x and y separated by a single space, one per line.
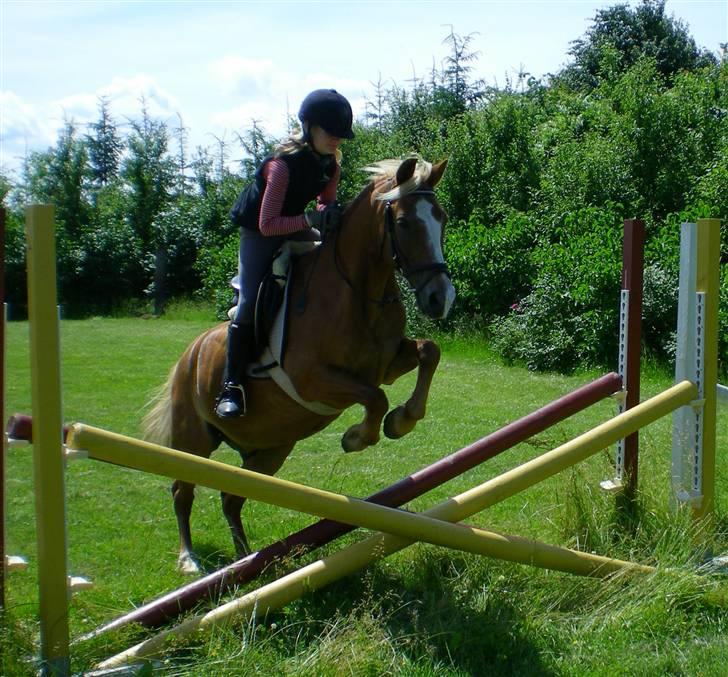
400 259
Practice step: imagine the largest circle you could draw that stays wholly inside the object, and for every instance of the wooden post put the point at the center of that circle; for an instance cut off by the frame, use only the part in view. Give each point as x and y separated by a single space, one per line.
632 274
630 348
693 449
708 283
48 460
3 449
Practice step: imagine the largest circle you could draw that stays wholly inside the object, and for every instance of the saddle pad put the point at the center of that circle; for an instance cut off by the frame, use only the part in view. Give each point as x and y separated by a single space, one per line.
269 363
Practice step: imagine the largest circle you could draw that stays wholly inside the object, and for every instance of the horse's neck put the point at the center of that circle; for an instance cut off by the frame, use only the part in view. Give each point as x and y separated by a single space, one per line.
365 251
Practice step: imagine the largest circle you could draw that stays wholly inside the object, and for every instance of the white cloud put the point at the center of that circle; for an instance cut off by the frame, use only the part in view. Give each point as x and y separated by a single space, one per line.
259 89
26 127
22 128
270 117
249 78
125 96
20 119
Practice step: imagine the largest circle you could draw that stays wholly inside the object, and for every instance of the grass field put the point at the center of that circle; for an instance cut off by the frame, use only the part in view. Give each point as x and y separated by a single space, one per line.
424 611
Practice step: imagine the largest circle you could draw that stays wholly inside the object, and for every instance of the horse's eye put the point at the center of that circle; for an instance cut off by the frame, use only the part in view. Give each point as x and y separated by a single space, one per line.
402 222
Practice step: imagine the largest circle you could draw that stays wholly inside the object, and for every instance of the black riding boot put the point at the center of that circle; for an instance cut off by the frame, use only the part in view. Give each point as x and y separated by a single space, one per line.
232 402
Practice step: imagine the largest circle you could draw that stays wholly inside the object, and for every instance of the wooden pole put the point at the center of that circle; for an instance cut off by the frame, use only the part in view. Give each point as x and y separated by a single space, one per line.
694 427
3 449
48 461
632 275
455 509
215 584
708 283
126 451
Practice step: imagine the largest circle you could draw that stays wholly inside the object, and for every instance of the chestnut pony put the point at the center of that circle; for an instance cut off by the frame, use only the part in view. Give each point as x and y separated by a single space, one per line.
348 340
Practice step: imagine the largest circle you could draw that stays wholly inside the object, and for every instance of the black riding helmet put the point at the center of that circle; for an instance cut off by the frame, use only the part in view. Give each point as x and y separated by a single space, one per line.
329 110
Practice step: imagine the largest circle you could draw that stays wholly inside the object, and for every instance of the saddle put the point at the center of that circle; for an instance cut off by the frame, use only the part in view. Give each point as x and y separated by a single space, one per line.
271 326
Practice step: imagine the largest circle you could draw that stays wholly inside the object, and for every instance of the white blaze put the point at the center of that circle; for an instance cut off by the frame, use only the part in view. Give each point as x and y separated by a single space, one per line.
425 213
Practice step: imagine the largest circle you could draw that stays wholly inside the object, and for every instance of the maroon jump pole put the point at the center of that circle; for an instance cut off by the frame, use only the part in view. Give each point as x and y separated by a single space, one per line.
632 276
2 407
244 570
20 427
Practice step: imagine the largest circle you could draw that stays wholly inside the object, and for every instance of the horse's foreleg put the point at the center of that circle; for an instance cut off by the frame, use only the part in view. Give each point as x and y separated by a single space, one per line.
266 461
232 506
339 389
425 355
183 495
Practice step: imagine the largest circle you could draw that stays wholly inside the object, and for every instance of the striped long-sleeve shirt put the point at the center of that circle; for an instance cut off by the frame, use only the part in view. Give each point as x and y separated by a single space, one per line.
271 221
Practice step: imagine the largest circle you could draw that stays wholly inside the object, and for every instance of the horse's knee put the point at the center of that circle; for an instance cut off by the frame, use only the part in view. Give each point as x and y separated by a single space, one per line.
428 352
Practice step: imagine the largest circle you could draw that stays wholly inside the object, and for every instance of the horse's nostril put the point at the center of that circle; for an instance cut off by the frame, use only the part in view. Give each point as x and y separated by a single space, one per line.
434 300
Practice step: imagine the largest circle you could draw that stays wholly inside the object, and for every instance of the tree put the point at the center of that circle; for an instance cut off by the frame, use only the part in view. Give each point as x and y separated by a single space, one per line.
375 109
620 35
104 147
58 176
256 145
181 134
456 72
150 174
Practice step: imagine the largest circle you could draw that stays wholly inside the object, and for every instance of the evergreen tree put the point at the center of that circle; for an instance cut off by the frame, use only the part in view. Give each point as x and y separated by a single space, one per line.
256 147
181 134
375 109
150 176
104 147
457 70
58 176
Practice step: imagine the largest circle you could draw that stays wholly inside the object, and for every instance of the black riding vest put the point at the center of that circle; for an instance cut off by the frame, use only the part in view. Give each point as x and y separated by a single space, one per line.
308 175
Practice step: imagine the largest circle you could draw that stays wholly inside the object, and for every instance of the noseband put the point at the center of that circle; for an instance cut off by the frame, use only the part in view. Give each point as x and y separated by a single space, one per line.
400 259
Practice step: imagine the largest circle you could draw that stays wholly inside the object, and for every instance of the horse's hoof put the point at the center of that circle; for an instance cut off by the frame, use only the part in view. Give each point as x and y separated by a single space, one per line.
397 423
351 443
354 441
242 551
188 565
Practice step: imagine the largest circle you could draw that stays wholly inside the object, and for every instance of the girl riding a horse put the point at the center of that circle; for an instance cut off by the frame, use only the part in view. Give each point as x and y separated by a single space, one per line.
272 209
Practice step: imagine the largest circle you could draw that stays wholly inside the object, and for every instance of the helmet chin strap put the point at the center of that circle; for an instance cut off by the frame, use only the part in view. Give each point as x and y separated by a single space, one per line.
306 127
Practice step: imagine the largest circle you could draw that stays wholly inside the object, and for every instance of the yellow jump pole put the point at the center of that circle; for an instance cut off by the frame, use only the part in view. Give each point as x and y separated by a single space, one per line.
708 282
119 449
48 463
353 558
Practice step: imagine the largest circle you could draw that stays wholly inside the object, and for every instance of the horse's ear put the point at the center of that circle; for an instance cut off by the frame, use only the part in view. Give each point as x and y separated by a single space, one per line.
406 170
436 174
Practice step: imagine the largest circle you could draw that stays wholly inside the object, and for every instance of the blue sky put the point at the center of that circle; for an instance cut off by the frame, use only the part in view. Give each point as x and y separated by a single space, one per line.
222 64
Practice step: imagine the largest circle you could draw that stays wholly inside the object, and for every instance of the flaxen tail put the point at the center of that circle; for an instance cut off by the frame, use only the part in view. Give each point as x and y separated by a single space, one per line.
157 422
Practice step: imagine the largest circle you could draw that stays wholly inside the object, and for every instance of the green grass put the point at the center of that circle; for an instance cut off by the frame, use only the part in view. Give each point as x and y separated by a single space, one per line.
424 611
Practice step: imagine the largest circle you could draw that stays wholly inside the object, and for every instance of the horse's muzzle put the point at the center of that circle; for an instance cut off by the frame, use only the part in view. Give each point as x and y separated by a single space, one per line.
435 299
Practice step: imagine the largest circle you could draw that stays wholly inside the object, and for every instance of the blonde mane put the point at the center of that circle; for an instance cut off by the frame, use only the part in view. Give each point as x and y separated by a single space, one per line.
388 169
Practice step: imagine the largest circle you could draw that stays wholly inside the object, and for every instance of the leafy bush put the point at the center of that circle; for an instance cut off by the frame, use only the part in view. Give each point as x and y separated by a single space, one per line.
570 318
723 322
16 289
659 310
216 266
491 267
